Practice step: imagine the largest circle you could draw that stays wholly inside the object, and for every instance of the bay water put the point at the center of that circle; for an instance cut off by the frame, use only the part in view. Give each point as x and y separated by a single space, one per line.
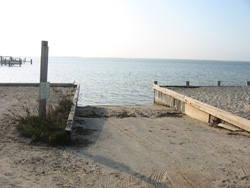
117 81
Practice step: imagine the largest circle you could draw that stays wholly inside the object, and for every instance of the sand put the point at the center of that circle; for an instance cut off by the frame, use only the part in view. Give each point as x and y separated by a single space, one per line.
135 146
235 100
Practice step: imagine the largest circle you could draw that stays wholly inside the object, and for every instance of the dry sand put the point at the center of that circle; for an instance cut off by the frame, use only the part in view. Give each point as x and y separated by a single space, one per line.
232 99
137 146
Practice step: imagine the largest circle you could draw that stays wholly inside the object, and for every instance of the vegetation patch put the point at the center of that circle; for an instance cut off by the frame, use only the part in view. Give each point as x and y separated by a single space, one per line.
52 129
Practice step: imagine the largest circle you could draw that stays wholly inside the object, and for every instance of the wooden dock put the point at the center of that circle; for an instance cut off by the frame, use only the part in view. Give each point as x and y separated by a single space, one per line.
11 61
197 109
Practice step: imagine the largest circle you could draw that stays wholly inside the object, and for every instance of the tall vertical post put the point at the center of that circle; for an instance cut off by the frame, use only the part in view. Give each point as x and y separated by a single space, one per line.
43 77
218 84
156 83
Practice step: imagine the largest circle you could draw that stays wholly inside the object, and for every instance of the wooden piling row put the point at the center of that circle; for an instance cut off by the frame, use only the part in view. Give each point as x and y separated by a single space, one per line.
188 84
10 61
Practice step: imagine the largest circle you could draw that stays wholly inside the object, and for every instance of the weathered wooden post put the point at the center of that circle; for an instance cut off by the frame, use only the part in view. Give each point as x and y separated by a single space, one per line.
187 83
218 83
248 83
44 85
155 92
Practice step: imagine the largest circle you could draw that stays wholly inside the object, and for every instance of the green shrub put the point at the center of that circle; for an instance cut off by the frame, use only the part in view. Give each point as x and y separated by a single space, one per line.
52 129
59 138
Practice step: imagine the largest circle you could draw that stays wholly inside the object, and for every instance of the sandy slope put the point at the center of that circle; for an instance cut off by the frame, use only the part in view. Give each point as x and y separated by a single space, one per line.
167 152
142 148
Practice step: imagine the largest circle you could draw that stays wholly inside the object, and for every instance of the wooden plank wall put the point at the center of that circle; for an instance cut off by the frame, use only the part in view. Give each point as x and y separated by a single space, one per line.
167 100
197 109
72 112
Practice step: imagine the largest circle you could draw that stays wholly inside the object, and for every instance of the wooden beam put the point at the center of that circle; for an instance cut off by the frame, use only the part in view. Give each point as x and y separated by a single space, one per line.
221 114
229 127
37 84
71 117
169 92
196 113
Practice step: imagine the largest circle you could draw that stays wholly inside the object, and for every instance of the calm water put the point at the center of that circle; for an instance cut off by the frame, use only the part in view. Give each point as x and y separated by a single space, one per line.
127 81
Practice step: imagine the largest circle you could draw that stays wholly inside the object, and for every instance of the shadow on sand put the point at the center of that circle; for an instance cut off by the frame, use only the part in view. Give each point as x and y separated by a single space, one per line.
90 124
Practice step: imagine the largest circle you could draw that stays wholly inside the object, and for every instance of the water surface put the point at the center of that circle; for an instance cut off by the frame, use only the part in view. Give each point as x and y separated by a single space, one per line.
110 81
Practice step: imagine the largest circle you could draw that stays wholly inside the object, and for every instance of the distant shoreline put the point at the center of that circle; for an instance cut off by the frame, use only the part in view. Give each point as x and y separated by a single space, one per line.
142 58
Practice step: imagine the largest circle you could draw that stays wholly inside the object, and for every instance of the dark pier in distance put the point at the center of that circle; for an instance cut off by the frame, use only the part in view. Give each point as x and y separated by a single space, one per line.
11 61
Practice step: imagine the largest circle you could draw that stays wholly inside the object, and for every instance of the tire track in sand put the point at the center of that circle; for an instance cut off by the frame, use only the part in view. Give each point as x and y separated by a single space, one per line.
176 176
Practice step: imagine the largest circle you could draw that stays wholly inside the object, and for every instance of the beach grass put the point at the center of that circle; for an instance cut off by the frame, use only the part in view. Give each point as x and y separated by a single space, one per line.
52 129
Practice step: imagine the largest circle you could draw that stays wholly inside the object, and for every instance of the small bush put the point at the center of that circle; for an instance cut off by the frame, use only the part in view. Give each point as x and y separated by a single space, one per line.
52 129
59 138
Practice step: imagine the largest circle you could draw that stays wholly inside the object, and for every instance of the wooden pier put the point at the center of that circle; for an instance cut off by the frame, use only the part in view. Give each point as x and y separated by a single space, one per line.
11 61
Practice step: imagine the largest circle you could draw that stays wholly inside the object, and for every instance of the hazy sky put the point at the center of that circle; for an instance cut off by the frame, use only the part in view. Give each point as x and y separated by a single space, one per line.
172 29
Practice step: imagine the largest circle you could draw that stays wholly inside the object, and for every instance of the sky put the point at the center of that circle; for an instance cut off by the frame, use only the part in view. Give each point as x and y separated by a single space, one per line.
162 29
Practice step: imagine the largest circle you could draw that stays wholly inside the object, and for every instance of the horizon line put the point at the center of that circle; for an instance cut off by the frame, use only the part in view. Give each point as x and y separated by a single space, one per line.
147 58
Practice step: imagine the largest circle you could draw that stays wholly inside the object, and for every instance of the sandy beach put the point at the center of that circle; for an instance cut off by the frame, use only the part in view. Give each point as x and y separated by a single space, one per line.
133 146
235 99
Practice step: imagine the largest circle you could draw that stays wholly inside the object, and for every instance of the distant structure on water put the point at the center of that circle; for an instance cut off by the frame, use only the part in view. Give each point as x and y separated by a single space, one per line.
11 61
